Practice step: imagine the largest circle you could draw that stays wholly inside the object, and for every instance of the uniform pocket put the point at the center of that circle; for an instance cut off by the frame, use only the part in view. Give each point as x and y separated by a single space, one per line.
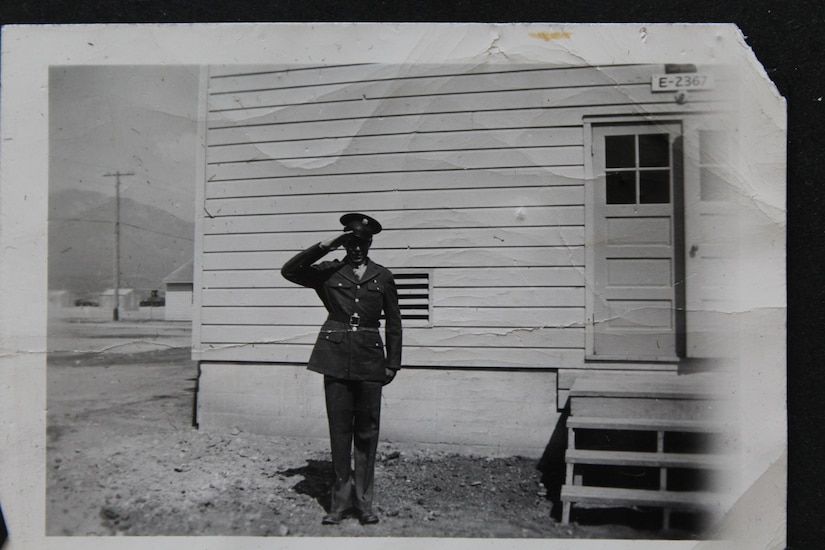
338 284
375 287
373 340
334 336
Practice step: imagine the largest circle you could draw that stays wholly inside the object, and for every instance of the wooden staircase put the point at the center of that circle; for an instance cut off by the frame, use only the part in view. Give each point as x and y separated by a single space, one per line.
647 440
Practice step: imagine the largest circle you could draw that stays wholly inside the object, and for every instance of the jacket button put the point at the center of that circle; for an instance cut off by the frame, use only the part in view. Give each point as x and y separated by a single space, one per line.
356 299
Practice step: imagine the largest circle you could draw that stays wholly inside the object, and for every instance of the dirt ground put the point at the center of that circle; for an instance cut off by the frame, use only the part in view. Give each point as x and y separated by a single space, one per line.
123 458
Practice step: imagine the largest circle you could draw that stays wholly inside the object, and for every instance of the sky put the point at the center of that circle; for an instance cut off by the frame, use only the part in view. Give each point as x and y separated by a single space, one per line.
140 119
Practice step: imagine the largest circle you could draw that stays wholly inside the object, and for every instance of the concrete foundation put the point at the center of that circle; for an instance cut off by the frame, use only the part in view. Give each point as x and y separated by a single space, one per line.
503 413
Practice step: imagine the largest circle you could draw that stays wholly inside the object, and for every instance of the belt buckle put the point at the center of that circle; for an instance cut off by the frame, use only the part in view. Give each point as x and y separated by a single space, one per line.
354 321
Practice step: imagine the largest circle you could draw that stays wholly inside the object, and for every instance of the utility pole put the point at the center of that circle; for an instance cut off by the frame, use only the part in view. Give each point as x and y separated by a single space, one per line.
117 175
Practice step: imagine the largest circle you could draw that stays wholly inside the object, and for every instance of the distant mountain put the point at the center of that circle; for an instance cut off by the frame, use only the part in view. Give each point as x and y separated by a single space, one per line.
153 243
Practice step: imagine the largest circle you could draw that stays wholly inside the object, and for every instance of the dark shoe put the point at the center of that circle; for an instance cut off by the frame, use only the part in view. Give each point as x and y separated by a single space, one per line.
333 518
367 518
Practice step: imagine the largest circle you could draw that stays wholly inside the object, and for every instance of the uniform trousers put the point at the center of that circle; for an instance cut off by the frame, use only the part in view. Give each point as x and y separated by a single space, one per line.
353 411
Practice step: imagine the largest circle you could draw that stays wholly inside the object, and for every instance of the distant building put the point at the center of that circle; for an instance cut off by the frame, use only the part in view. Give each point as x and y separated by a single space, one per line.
60 298
179 286
128 299
154 300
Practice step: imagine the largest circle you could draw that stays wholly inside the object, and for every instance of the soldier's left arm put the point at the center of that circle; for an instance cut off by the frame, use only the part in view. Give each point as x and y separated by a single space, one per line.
392 326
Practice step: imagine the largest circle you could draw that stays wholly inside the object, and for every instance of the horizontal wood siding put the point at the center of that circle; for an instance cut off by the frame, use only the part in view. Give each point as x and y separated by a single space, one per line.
502 296
477 174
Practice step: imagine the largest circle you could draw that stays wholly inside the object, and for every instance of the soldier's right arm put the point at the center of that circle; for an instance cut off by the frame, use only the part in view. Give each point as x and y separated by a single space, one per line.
300 270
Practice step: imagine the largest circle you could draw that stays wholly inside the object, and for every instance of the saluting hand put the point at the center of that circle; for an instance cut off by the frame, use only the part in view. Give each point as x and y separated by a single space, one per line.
335 241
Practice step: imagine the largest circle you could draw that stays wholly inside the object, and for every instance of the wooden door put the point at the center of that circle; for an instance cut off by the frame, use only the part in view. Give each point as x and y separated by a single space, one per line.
636 301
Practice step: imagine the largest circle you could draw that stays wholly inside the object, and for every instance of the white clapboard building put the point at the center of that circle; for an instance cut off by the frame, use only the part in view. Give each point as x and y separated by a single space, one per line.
559 235
178 298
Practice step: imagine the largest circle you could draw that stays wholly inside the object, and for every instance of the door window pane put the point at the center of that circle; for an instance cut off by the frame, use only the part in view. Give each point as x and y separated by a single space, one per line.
629 160
654 187
654 150
621 188
620 151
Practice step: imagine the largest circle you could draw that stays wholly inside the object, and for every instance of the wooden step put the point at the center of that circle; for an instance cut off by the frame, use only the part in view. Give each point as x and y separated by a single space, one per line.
644 424
674 500
649 388
634 396
653 460
667 384
642 408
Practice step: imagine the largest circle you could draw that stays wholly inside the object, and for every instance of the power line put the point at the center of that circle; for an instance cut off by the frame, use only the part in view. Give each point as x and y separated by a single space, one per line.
122 223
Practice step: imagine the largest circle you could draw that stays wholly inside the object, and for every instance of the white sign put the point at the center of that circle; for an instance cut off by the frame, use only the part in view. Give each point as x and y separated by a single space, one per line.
676 82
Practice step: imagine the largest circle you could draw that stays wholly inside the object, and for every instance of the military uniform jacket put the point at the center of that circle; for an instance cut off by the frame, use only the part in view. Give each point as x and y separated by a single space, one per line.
339 350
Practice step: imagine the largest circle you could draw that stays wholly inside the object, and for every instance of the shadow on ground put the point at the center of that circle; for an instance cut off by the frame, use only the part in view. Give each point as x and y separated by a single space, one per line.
315 484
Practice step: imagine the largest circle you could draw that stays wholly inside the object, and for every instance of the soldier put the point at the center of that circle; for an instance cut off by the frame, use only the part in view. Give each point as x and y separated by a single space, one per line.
350 354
